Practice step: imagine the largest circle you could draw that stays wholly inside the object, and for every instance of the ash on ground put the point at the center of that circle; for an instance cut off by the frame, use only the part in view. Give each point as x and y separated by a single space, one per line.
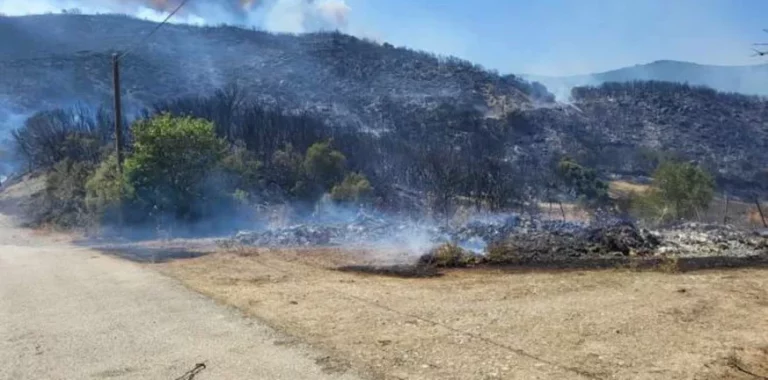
702 240
512 239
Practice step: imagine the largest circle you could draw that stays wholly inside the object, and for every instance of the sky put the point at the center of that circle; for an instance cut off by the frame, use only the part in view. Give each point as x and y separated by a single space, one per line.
563 37
545 37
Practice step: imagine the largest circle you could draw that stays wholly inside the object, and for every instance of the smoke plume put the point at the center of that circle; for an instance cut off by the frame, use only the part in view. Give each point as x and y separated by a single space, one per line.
291 16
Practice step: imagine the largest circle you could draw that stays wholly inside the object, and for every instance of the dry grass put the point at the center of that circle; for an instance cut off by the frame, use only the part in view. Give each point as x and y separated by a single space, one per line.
487 324
740 212
624 188
569 211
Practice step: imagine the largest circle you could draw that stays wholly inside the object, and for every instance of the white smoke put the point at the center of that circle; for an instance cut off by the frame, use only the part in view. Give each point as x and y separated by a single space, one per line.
299 16
291 16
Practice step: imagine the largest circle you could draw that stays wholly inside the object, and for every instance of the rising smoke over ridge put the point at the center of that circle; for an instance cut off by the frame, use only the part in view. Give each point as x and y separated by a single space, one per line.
291 16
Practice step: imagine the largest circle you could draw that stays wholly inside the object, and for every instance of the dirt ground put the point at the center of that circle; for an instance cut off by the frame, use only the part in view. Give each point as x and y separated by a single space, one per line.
493 324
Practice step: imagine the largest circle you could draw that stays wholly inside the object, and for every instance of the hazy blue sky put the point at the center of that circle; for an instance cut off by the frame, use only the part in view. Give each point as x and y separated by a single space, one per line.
556 37
570 36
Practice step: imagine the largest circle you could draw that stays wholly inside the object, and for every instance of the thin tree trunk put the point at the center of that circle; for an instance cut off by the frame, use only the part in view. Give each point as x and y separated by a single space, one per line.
562 210
725 213
760 210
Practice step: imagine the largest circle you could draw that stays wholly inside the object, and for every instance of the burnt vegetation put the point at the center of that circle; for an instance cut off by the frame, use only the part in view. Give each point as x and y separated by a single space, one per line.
274 156
298 117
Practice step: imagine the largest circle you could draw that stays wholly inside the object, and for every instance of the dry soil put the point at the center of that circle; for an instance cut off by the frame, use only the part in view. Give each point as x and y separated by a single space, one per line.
493 324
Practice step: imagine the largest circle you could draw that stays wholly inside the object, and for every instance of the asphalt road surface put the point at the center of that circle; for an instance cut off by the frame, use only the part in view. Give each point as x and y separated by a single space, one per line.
67 312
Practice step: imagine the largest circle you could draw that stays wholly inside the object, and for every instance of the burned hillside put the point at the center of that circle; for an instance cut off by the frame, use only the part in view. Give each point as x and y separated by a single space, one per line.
413 122
726 133
342 77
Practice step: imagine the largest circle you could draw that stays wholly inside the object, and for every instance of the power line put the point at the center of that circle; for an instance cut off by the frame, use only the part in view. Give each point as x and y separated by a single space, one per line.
157 27
118 104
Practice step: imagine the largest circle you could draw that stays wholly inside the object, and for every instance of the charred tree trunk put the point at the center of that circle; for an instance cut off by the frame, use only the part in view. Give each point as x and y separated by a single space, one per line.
760 210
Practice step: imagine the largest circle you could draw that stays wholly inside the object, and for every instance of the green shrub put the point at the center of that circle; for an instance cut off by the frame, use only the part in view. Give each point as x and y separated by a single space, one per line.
323 166
582 182
449 255
171 165
104 188
241 169
355 188
62 204
679 191
285 170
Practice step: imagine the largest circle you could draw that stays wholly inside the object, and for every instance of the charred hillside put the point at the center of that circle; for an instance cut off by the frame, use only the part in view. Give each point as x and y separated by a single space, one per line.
449 115
334 74
727 133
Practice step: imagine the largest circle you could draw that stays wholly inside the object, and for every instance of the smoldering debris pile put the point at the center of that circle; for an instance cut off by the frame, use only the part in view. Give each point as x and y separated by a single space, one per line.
363 228
514 239
299 235
620 238
701 240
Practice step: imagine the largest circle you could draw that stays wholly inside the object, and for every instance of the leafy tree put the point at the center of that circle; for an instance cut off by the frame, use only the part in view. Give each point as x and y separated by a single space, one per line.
582 182
680 190
685 187
286 167
323 166
172 161
242 170
355 188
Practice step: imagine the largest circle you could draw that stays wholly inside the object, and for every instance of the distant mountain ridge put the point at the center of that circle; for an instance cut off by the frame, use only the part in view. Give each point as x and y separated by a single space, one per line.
748 80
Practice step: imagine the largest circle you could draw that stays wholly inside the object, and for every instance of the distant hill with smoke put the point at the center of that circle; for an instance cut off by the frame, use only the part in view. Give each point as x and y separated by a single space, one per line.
750 80
445 110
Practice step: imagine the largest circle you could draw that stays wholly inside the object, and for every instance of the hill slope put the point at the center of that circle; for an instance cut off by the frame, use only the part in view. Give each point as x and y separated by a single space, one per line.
70 59
412 101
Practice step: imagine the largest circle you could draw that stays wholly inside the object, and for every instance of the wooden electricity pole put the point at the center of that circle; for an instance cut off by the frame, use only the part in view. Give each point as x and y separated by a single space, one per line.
118 135
118 112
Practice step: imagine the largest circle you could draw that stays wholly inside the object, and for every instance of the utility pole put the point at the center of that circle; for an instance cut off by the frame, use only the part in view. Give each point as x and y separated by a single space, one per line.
118 135
118 112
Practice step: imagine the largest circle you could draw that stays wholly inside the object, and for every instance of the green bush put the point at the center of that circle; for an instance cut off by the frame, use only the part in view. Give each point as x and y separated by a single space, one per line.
62 204
582 182
242 171
172 162
286 165
323 166
104 187
355 188
449 255
679 191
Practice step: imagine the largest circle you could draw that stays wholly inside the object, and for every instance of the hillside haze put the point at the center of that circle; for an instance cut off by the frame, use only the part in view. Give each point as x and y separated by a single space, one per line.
411 101
69 59
750 80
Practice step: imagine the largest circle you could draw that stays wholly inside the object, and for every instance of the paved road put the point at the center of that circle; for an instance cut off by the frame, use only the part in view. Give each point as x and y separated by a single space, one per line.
67 312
